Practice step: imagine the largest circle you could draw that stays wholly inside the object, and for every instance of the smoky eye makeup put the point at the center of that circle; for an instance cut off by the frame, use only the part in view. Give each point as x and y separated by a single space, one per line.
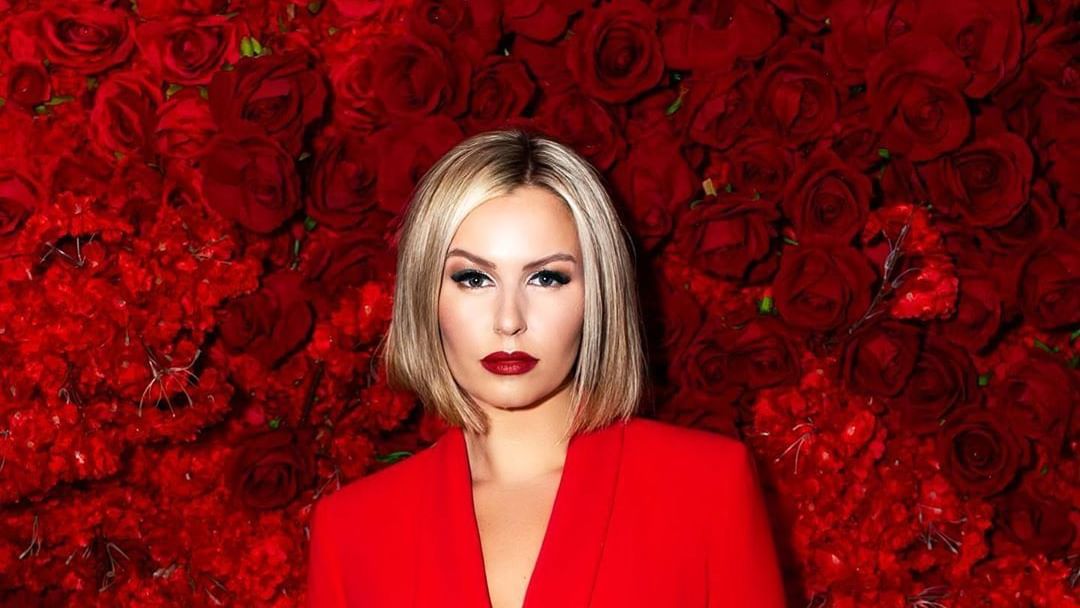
471 278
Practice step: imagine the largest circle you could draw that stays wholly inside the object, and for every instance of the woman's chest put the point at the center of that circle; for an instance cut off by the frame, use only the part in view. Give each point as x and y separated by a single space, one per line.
511 523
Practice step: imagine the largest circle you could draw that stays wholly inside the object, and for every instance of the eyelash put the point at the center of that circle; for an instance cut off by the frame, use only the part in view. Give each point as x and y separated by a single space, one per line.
462 276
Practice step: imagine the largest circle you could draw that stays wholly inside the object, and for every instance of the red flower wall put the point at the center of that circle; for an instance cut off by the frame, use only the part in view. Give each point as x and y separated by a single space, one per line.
857 225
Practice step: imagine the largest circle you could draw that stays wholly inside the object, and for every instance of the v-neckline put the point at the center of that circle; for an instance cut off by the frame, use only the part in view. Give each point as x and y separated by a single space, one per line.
546 540
570 552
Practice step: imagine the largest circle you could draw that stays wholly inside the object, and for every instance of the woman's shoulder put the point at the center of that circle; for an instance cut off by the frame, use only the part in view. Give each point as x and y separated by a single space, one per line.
685 443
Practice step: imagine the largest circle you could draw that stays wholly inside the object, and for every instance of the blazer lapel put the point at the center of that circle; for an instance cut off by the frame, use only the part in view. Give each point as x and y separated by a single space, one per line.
573 544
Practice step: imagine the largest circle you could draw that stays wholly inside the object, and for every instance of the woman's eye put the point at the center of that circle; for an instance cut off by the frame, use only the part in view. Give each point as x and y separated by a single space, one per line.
469 278
550 278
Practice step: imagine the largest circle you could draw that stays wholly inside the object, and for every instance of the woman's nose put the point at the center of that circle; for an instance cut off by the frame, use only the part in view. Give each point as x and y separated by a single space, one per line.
509 313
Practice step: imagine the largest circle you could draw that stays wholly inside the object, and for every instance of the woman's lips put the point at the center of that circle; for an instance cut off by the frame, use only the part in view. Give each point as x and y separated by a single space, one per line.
507 364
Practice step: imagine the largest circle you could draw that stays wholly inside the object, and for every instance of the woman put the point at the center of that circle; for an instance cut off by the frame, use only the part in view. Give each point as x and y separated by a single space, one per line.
516 319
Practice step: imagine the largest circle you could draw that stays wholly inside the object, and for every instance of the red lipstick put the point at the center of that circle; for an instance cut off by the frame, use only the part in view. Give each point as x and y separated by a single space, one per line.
504 363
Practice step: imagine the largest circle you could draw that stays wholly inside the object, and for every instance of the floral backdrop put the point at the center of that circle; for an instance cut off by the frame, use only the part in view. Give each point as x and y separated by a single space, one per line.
856 224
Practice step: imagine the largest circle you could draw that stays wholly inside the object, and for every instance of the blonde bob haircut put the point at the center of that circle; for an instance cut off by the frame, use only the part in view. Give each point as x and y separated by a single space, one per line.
609 374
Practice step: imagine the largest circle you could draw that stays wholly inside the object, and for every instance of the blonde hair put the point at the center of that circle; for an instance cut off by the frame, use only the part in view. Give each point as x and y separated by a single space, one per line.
609 374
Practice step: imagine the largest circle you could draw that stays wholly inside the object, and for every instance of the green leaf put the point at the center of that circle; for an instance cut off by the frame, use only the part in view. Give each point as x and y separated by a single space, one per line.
228 67
304 156
393 456
984 379
204 92
256 46
313 7
1044 470
674 107
91 83
40 109
274 423
246 48
765 306
757 195
695 202
791 241
310 223
59 99
1043 345
2 102
296 247
118 155
231 15
331 30
729 188
173 90
1074 361
1073 336
884 153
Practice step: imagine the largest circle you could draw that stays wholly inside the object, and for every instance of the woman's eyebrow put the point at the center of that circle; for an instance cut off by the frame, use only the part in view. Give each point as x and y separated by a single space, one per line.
475 259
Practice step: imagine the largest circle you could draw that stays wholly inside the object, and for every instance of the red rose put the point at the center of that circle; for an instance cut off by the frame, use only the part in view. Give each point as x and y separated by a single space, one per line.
461 18
710 363
795 96
270 323
1039 393
757 164
978 311
1039 524
724 236
915 99
943 378
539 19
861 30
342 185
1030 226
1048 289
250 179
335 260
987 35
421 72
715 37
821 288
184 126
614 54
268 470
125 113
407 149
986 182
18 199
979 451
760 354
879 358
356 106
282 94
27 84
85 37
587 126
501 89
827 200
654 182
704 410
188 50
149 9
854 139
717 106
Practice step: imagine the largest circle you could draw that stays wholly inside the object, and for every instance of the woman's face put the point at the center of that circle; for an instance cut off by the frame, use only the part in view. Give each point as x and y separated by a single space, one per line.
512 283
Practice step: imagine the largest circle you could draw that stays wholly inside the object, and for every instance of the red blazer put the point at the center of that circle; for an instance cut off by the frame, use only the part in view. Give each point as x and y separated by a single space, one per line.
647 514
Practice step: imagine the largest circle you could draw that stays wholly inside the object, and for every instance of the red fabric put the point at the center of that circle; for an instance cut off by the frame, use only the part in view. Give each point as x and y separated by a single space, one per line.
647 514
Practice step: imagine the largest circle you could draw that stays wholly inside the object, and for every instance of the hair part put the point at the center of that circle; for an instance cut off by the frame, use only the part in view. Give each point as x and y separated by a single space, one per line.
608 378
